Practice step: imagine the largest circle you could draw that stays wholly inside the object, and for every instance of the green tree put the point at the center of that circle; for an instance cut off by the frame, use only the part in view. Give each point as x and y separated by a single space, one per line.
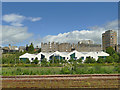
27 61
54 60
71 60
119 57
109 59
31 48
27 47
44 62
100 60
39 50
116 57
90 60
79 60
36 61
110 51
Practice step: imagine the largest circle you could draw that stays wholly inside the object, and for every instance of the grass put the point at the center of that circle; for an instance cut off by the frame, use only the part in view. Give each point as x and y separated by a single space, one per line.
8 71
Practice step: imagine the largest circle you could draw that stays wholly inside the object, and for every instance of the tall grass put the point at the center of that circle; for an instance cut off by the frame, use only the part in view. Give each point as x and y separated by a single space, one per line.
7 71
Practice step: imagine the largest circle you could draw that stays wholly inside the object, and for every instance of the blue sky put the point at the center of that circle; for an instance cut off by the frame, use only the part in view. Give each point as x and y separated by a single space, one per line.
61 17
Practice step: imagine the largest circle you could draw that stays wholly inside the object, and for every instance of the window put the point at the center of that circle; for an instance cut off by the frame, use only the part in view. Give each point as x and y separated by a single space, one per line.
82 58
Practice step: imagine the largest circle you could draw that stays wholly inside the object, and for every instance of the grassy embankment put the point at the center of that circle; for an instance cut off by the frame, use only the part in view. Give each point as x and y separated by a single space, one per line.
97 69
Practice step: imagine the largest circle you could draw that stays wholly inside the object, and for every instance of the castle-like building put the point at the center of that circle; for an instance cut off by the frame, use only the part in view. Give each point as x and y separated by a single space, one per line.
81 46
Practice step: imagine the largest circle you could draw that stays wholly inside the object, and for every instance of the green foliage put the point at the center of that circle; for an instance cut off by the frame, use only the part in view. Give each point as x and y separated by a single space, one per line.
55 65
71 60
97 69
39 50
90 70
27 47
29 71
27 61
116 58
65 70
90 60
31 48
44 62
110 51
54 60
100 60
109 59
117 68
36 61
79 60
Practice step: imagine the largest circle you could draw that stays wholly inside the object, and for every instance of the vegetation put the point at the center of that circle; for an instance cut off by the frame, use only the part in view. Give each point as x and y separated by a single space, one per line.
90 60
30 48
110 50
69 69
100 60
36 61
109 64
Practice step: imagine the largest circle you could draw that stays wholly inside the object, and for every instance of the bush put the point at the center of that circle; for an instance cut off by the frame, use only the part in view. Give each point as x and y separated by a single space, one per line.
79 60
100 60
36 61
116 57
90 60
65 70
109 59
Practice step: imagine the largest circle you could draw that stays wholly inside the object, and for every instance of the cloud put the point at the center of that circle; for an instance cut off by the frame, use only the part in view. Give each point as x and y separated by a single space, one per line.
13 35
34 19
94 33
14 19
17 20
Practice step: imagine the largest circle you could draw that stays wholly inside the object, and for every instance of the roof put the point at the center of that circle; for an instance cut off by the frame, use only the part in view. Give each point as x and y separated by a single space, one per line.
65 54
102 54
27 55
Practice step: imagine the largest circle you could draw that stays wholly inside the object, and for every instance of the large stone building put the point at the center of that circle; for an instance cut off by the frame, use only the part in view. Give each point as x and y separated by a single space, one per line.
109 39
82 46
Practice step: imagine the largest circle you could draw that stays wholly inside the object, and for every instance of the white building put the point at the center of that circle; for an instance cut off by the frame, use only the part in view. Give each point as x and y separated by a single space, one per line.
64 55
25 56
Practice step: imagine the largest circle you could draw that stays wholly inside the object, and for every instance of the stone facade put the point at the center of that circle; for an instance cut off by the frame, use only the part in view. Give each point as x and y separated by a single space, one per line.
67 47
88 47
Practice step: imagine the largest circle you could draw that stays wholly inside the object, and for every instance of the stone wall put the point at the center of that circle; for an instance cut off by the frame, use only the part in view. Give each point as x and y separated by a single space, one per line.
67 47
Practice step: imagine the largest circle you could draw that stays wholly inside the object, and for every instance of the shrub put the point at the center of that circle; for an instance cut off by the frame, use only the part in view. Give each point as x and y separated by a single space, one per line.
90 60
116 57
100 60
110 51
65 70
36 61
109 59
79 60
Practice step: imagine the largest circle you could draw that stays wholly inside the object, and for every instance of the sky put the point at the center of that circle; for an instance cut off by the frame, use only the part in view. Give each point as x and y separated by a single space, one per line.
37 22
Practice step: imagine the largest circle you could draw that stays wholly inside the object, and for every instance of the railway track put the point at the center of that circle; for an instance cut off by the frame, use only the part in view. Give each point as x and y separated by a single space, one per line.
63 76
62 81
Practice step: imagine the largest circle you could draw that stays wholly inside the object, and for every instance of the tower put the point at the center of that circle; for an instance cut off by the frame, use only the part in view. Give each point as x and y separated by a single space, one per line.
109 39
